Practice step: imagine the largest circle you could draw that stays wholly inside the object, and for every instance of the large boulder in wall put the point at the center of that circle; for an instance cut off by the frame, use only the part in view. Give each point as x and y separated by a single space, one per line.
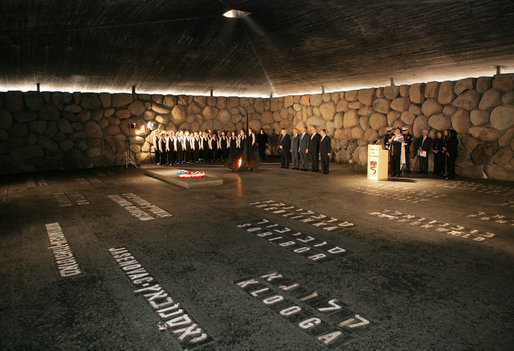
224 116
467 100
431 107
439 122
350 119
446 93
178 114
490 99
416 93
119 100
502 117
484 134
327 110
420 123
377 121
479 117
400 104
504 82
365 96
460 121
382 105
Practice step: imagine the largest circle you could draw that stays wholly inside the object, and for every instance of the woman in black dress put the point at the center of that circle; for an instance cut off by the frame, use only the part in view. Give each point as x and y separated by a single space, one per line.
437 148
451 152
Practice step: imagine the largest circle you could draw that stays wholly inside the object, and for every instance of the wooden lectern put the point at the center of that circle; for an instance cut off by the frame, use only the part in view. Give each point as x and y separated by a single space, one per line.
378 163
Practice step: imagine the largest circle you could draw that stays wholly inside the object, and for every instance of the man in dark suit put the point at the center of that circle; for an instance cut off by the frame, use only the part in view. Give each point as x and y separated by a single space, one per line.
314 149
295 146
284 145
305 138
324 150
423 146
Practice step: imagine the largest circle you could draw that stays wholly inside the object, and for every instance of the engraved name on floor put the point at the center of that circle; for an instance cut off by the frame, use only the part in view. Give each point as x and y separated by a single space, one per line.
440 227
139 207
172 316
394 193
295 241
88 180
327 319
317 220
496 218
480 188
35 182
509 203
64 259
69 199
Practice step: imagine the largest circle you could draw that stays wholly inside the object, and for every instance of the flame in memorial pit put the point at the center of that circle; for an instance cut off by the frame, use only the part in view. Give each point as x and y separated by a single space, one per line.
240 162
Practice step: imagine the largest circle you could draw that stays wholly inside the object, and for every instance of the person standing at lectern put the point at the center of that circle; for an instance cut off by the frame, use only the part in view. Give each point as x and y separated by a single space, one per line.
324 150
397 150
295 146
304 149
423 146
284 145
314 149
407 142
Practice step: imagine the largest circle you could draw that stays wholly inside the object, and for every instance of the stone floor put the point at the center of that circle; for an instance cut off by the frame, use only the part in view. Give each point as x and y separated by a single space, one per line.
409 264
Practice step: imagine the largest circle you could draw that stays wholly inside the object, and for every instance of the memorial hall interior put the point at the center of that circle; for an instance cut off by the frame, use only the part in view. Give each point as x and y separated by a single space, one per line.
111 239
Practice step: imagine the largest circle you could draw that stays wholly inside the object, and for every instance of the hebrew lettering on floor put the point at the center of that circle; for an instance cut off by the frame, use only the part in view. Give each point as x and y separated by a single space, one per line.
64 259
172 315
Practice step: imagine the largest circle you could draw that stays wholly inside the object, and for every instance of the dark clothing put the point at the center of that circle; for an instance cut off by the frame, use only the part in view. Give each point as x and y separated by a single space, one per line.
304 147
396 156
324 149
451 154
437 149
162 147
233 152
386 140
314 151
295 156
285 156
262 140
407 138
426 145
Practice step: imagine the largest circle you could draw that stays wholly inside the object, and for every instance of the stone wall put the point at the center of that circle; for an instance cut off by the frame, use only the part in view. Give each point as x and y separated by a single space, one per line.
481 110
55 130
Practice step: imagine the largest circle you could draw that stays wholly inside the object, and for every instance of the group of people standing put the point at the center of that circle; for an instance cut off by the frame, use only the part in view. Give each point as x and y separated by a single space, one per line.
202 146
444 148
300 148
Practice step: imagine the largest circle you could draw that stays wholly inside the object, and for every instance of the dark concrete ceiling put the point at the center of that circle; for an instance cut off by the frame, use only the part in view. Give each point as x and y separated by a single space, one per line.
284 46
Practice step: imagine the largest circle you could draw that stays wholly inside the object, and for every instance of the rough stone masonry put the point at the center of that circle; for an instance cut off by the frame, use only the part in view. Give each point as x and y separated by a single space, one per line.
56 130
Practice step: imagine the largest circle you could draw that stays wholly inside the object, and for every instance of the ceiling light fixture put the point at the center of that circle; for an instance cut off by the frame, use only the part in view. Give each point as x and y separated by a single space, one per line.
236 14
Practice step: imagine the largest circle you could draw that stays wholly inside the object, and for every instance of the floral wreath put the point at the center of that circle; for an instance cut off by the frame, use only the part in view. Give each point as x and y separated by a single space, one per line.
190 174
